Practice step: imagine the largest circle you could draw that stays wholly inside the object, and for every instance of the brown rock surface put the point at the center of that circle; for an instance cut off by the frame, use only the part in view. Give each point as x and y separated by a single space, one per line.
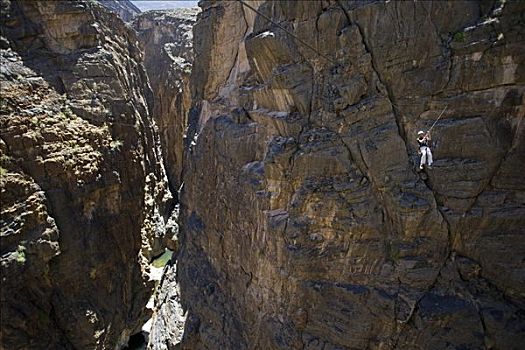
124 8
83 190
167 39
305 224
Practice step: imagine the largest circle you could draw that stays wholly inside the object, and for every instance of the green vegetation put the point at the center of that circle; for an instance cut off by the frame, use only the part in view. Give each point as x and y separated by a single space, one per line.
4 163
62 116
4 159
162 260
3 103
392 250
21 254
66 112
116 145
459 37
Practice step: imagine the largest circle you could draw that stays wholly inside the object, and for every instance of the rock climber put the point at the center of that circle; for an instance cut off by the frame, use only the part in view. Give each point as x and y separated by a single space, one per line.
423 139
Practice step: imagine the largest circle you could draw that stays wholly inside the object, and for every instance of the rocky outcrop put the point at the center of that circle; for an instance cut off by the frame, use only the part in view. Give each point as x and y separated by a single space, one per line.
169 317
167 38
84 192
124 8
305 224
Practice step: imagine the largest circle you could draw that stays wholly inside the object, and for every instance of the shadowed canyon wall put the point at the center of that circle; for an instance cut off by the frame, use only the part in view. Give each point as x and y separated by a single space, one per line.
167 39
304 221
84 192
305 224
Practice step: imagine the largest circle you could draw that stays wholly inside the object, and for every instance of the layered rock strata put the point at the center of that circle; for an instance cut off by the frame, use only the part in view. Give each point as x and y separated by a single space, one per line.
167 38
124 8
167 41
305 223
84 193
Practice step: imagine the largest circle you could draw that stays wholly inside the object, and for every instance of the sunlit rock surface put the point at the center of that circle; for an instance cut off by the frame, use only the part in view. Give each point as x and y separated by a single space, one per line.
305 223
83 190
124 8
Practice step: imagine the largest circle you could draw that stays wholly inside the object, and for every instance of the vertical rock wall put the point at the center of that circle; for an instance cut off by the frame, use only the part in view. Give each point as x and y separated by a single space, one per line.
305 223
84 192
124 8
167 40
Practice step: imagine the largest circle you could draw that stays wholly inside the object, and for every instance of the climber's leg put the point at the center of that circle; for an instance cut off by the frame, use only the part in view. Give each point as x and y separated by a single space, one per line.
423 157
429 157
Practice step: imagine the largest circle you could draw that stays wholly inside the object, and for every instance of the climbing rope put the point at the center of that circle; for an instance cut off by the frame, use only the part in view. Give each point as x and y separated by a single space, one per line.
287 32
317 52
439 117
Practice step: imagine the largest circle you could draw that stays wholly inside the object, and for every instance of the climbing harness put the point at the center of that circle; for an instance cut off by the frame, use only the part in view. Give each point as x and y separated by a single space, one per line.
287 32
424 147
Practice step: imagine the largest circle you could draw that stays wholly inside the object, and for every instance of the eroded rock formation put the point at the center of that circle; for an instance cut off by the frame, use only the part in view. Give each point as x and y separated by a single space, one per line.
167 39
84 193
305 224
124 8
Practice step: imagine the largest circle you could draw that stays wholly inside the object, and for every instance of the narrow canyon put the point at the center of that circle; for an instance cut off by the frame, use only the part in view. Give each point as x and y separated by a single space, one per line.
246 175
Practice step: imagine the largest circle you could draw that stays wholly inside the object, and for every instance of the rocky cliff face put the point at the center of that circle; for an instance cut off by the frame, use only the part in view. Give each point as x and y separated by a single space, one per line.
167 40
305 223
84 192
124 8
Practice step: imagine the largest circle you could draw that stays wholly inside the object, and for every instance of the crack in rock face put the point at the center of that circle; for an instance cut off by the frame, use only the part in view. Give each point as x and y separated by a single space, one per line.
245 176
304 221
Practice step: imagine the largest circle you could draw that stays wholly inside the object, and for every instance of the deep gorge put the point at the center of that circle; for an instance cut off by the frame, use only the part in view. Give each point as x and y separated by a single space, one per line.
270 147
